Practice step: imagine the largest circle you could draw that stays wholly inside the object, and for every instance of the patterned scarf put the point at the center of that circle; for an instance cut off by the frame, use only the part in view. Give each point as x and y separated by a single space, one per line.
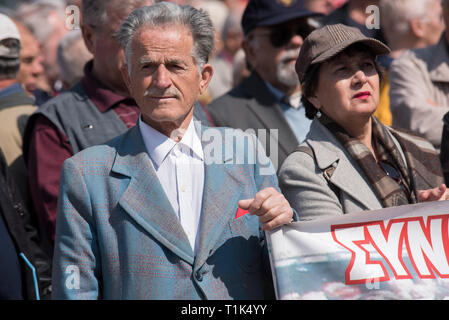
419 170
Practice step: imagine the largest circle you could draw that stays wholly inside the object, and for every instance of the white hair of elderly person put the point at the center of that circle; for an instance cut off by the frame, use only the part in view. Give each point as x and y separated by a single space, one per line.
72 56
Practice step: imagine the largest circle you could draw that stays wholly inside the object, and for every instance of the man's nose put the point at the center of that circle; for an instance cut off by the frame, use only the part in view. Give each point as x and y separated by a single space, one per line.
296 41
37 67
161 77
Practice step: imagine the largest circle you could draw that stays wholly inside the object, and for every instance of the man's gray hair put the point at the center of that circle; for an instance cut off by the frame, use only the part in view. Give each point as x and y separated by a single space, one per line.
35 16
72 56
95 14
168 13
396 15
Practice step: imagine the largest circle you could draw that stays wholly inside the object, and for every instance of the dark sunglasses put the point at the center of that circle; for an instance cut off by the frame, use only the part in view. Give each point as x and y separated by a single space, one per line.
281 35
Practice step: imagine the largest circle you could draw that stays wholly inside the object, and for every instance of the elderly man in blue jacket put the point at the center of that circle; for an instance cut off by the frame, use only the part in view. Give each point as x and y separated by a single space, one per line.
170 209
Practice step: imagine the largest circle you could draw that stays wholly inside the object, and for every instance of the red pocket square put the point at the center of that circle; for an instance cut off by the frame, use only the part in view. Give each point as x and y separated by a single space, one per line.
240 212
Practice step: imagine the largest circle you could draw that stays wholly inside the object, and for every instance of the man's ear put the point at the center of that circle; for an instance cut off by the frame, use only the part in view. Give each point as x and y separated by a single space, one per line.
250 53
126 77
88 36
207 71
417 28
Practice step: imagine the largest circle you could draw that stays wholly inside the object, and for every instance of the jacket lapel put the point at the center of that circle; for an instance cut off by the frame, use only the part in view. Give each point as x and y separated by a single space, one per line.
222 191
269 112
144 198
329 151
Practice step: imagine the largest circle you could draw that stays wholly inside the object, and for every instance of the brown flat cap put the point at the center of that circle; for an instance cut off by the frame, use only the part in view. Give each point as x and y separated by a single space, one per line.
328 41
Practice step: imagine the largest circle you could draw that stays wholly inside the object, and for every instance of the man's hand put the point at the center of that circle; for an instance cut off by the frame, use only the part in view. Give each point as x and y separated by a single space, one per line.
271 207
436 194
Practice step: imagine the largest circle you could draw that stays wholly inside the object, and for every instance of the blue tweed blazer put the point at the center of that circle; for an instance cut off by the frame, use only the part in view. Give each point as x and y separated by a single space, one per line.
117 236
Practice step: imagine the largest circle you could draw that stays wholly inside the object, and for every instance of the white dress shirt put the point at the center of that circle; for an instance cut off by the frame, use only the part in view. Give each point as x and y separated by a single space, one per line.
180 169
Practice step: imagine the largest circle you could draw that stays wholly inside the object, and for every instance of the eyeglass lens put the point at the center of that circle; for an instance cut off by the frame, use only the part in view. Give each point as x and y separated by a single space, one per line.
281 35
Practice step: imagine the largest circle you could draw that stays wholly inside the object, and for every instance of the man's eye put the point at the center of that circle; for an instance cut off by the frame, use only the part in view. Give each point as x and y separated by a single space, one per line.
175 67
27 60
368 65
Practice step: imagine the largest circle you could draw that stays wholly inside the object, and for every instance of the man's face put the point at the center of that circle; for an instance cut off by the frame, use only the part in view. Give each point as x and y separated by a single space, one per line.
233 40
322 6
163 77
272 52
50 46
108 55
434 23
31 61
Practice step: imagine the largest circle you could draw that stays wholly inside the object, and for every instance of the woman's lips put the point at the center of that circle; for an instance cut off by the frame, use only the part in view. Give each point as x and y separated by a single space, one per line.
362 95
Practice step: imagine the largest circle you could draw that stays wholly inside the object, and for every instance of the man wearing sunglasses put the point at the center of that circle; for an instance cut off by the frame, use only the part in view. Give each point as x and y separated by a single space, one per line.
269 98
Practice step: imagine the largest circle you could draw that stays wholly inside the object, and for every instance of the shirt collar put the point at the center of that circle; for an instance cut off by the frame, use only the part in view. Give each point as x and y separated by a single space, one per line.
276 92
102 96
159 145
294 99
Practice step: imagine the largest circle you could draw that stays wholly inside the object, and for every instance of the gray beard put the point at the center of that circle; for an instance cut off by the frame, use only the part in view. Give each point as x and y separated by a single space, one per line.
287 76
286 73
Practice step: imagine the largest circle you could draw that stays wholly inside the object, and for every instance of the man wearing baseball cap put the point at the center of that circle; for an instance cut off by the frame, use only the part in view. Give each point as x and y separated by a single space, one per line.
270 98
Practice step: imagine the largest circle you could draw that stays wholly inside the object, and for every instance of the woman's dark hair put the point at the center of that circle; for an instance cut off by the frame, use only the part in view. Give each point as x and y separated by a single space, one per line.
311 78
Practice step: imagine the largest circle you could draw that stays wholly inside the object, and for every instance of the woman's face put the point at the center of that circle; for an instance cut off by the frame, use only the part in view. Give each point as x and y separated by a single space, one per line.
348 88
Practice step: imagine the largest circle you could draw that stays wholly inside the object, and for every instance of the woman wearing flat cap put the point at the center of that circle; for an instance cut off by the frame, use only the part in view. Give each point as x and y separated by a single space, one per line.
350 161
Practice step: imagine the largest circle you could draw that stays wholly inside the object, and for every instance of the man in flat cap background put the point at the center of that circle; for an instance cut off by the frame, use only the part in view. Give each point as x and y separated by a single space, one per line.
270 98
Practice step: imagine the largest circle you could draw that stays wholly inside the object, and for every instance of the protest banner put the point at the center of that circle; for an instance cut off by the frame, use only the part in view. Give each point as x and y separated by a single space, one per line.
394 253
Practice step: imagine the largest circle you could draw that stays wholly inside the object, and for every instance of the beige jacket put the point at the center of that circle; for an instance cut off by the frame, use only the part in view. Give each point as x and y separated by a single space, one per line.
307 187
13 120
419 91
10 130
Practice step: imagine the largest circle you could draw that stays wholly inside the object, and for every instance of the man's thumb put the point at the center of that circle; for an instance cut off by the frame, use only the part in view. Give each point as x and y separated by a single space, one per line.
245 204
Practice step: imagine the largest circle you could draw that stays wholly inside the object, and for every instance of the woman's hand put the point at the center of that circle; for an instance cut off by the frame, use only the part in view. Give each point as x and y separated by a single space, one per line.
436 194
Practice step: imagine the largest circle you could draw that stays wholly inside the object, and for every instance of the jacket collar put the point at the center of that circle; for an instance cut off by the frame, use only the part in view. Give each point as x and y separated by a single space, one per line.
347 177
146 202
439 61
266 108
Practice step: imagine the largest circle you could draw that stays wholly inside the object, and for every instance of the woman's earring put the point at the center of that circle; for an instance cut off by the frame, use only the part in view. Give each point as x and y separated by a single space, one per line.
318 114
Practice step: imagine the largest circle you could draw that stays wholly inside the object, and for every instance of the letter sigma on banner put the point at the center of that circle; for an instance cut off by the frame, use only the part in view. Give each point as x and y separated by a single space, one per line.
394 253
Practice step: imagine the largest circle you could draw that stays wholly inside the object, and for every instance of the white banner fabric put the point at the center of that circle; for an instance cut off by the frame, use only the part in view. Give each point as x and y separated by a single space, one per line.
395 253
